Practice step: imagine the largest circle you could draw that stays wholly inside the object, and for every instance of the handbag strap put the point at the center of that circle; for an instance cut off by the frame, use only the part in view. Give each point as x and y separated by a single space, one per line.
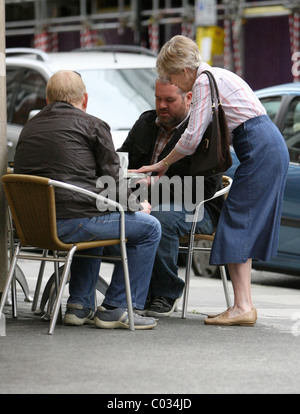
213 87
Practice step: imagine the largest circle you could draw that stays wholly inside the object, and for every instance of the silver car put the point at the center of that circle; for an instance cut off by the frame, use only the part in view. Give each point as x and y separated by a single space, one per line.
120 83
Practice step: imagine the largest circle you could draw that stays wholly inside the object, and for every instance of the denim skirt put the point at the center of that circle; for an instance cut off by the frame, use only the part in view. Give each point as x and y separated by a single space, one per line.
250 218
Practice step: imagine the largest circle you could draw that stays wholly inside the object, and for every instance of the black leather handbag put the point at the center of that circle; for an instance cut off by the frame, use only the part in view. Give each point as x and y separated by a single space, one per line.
212 155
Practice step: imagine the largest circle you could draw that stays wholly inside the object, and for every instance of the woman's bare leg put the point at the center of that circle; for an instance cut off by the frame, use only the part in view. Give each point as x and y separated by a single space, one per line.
240 275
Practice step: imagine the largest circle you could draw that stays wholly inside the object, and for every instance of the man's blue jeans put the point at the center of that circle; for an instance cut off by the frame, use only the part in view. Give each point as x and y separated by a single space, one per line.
143 234
165 281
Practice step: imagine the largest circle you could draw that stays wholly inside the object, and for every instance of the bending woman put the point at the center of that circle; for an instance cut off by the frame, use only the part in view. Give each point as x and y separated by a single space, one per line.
249 224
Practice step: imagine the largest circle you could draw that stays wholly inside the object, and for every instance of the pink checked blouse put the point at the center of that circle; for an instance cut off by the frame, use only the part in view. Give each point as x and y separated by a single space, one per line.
238 100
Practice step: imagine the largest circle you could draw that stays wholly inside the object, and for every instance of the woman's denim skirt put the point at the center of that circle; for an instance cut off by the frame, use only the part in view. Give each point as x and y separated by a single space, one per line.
250 218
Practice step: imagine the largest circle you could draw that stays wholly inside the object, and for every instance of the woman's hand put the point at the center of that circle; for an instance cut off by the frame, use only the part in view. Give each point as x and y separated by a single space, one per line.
159 167
162 166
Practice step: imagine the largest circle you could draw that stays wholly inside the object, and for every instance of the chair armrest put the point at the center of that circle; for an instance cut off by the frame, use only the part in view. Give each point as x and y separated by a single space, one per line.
219 193
81 190
97 197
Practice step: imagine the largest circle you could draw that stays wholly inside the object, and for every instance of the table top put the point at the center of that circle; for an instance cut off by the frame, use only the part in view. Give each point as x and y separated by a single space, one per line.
135 175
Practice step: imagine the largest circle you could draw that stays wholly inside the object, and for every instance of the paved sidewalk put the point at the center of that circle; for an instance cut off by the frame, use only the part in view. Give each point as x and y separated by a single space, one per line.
177 357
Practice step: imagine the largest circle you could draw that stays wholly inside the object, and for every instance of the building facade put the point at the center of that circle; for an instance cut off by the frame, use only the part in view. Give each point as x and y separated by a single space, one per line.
257 40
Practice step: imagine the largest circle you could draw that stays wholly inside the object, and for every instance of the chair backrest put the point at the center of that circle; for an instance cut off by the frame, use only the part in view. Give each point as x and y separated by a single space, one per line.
32 203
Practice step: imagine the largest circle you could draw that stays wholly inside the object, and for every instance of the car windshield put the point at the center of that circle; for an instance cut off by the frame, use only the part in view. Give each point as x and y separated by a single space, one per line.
119 96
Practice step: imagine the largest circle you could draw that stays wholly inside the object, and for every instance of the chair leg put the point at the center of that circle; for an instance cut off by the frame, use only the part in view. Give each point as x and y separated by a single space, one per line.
225 286
187 283
14 296
11 250
21 279
60 292
6 290
127 285
52 293
39 282
57 280
102 285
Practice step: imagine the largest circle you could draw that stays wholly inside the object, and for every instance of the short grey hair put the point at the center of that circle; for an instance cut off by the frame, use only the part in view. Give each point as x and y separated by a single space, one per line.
65 86
177 54
165 81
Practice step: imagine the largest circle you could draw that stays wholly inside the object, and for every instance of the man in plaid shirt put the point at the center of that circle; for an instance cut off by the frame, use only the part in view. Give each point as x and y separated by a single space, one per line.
152 138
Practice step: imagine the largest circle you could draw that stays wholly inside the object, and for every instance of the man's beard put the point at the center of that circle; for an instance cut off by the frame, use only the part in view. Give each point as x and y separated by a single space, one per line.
169 121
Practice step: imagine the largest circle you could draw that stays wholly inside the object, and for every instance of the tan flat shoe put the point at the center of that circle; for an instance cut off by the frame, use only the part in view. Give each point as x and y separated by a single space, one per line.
218 314
246 319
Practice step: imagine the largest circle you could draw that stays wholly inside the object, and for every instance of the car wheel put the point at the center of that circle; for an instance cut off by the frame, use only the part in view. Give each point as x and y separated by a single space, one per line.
201 264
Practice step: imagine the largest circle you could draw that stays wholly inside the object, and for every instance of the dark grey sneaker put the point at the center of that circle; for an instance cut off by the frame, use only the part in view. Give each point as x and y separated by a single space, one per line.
77 315
162 306
118 318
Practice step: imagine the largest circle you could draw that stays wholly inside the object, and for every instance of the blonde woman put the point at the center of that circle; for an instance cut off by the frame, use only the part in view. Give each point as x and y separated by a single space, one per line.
249 223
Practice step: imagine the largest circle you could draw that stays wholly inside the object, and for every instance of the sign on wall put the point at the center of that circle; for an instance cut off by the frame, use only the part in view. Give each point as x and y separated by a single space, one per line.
206 13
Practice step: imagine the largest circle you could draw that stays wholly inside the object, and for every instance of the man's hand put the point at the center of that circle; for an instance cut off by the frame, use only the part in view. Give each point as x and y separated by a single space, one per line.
146 207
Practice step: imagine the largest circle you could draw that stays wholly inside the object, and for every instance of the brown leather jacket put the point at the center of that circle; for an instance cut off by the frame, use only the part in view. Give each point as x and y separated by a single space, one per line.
66 144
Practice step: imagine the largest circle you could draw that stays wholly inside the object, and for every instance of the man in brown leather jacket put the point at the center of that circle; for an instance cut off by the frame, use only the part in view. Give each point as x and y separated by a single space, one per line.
64 143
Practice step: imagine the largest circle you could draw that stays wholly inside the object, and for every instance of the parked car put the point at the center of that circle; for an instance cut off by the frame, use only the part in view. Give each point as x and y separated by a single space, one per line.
282 103
119 81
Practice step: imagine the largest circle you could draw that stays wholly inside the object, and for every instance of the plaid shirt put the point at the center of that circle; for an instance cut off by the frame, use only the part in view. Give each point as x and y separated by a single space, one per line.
238 100
163 138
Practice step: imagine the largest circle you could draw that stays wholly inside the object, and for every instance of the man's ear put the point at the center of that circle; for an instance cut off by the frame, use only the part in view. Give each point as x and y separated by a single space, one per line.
189 98
85 101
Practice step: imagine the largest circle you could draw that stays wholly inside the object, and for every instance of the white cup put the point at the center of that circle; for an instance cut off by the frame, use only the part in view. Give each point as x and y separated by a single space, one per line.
123 163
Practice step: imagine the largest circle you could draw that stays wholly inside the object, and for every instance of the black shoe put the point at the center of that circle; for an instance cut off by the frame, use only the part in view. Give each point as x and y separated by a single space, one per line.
77 315
144 311
162 306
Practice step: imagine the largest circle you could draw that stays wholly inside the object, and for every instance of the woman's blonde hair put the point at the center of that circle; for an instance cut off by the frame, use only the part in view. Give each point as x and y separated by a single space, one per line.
177 54
65 86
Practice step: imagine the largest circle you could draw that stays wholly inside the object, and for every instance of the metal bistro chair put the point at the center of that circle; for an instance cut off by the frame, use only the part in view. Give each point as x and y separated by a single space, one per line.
19 275
31 200
187 245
